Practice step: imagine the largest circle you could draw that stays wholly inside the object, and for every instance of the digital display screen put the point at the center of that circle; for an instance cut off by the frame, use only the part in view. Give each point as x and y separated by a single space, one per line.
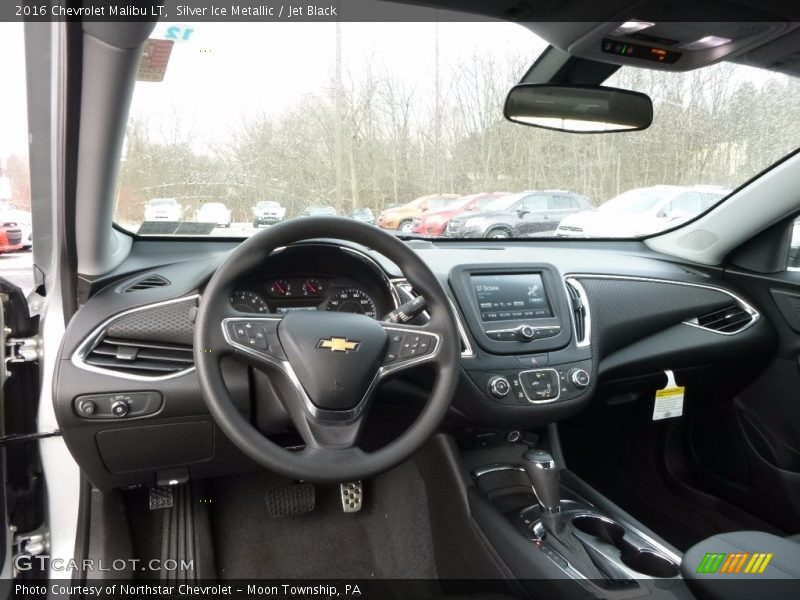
288 309
511 297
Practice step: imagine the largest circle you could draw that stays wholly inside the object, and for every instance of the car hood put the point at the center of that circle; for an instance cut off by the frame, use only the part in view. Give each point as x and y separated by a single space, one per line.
606 224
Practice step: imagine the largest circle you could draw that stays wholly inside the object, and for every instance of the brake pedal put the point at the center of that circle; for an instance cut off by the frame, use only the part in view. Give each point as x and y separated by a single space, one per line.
352 496
290 499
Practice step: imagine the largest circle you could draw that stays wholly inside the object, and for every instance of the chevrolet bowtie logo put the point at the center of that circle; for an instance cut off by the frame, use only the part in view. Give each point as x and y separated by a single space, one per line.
337 344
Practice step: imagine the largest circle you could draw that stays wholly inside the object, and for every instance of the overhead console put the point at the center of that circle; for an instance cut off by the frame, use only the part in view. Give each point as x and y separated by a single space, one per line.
672 36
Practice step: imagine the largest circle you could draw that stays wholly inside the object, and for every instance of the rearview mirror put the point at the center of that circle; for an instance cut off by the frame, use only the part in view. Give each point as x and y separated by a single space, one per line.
578 108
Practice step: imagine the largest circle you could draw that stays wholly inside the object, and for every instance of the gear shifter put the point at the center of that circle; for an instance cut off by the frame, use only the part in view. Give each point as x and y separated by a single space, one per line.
541 470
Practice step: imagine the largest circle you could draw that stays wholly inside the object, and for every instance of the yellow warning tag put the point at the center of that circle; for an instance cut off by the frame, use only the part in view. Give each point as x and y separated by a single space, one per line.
669 401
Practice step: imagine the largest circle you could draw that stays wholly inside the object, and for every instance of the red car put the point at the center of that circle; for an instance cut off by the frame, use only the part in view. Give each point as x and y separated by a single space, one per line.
10 237
434 222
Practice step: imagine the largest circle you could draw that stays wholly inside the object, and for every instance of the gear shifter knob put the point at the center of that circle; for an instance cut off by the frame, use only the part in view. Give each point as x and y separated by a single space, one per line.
541 470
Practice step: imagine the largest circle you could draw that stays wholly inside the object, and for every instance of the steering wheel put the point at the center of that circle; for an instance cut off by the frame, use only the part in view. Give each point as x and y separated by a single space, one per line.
324 366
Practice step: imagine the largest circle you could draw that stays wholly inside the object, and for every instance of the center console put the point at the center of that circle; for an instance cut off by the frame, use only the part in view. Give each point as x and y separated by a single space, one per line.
531 332
604 554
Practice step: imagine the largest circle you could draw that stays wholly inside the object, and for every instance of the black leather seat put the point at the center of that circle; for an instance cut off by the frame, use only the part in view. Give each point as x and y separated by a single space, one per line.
779 580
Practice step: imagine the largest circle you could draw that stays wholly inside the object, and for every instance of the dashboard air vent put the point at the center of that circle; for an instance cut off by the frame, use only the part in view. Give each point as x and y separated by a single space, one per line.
150 282
731 319
580 311
140 358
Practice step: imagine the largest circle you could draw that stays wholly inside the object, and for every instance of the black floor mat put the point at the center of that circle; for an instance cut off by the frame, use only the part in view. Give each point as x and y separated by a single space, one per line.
389 538
621 458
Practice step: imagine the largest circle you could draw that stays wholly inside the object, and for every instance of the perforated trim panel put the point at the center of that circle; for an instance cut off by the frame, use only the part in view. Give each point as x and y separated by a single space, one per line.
624 311
167 323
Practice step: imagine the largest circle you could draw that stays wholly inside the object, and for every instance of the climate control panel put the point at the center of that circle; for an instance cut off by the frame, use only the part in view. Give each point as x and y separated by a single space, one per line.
535 385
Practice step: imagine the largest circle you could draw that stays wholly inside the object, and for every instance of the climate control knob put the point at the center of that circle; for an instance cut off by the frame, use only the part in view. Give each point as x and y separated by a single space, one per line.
499 387
580 378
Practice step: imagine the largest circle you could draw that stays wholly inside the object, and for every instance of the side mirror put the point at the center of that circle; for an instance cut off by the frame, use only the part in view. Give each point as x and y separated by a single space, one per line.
578 108
521 212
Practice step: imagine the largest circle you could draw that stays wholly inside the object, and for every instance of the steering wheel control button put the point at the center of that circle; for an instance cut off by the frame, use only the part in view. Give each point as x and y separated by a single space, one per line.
499 387
579 378
541 385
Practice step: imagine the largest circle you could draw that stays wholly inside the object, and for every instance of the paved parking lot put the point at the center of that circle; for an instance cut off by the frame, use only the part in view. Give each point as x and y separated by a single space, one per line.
17 268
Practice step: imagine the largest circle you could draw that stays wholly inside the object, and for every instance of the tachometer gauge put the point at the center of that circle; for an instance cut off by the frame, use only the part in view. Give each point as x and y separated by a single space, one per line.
281 288
312 287
248 302
351 300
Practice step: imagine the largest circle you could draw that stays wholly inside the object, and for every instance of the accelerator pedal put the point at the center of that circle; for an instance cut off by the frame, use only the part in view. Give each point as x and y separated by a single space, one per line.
290 499
352 496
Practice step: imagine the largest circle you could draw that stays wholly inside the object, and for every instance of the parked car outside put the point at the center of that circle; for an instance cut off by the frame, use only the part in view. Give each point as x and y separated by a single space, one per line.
433 222
10 237
365 215
526 214
319 211
163 209
641 211
268 212
214 212
9 213
402 217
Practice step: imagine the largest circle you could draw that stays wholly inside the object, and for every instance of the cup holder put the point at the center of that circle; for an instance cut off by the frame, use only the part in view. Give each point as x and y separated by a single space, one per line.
600 527
642 560
649 563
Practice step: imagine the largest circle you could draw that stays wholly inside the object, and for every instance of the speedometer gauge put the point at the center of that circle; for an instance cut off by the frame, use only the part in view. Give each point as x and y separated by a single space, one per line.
248 302
352 300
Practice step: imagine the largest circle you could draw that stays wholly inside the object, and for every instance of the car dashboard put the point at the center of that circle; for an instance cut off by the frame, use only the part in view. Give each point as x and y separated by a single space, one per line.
542 325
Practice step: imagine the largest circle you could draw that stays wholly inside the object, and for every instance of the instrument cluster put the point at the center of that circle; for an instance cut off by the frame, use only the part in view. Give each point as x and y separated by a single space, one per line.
287 294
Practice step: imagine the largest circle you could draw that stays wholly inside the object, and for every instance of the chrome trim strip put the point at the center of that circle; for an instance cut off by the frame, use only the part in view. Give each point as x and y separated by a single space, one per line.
286 368
587 321
479 471
86 346
756 316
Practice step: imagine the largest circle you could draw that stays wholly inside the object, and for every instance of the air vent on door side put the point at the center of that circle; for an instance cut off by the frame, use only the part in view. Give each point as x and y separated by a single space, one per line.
145 359
580 311
731 319
150 282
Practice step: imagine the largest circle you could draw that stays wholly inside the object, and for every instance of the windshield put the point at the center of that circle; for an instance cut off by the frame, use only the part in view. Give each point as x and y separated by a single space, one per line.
402 128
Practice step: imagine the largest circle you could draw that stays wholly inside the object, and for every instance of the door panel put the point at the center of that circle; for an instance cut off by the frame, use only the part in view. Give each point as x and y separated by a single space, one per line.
766 414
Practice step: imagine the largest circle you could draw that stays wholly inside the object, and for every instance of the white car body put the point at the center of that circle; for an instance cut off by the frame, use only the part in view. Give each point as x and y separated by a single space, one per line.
163 209
8 213
641 211
214 212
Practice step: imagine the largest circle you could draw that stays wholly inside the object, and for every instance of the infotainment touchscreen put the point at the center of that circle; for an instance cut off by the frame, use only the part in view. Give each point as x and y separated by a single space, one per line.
510 297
